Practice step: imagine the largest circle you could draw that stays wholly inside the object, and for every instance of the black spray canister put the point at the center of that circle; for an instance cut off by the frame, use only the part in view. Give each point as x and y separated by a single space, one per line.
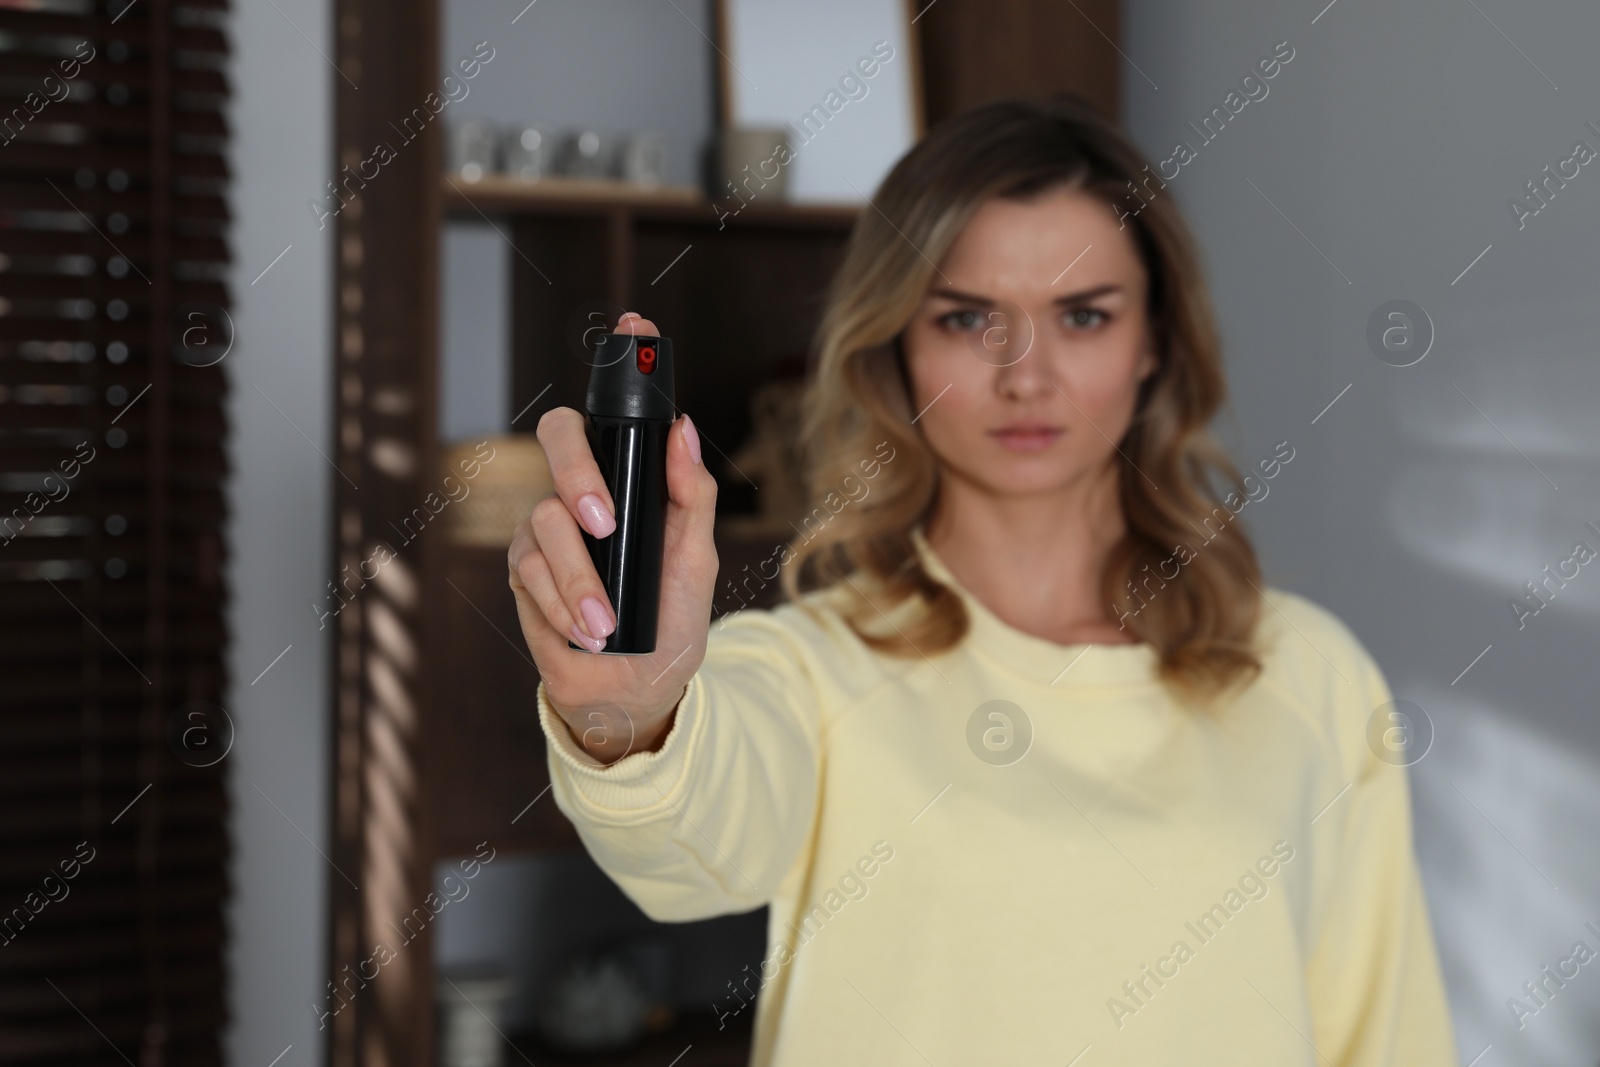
630 409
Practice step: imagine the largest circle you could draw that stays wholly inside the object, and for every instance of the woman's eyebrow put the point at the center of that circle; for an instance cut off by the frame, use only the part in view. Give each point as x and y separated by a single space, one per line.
1089 294
984 301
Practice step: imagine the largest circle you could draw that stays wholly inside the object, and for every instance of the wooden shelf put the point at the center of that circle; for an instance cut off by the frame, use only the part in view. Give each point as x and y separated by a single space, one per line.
499 190
695 1040
668 203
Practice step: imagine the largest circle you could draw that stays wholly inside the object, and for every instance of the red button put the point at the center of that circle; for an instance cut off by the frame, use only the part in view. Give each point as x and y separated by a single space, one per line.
647 359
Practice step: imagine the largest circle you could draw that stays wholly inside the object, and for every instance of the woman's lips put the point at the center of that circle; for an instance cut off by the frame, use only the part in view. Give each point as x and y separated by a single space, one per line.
1025 440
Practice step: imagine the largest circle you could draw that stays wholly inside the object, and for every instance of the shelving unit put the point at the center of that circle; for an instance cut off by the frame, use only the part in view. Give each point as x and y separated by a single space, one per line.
739 301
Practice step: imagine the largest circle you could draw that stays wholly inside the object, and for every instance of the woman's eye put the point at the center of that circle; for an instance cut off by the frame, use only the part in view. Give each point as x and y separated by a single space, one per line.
962 320
1086 318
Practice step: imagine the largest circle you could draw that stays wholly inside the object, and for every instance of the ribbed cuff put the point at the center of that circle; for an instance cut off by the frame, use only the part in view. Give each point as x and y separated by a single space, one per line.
637 783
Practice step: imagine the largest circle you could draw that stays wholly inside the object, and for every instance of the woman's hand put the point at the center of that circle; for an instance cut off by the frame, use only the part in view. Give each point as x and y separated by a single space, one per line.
613 705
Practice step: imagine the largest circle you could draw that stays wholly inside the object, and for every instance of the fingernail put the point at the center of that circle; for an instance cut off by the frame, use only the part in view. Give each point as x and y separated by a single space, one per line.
596 619
691 437
596 519
593 644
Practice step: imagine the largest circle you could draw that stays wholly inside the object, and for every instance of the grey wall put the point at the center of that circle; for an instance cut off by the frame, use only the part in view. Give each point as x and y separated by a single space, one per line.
279 375
1419 504
475 332
616 66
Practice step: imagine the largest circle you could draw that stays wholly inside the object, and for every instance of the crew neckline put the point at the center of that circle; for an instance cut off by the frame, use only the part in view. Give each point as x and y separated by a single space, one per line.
1035 657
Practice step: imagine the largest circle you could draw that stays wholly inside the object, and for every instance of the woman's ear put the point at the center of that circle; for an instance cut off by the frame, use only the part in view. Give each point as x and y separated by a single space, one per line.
1149 362
898 345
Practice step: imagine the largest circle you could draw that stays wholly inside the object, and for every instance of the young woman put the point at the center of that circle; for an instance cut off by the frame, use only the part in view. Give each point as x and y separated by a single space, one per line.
1030 766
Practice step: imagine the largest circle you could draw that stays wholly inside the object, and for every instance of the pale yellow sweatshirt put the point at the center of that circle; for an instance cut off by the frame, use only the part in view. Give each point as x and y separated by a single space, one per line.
1086 874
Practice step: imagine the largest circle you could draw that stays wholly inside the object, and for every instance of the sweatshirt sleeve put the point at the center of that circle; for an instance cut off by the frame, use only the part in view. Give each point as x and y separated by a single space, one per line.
711 822
1376 993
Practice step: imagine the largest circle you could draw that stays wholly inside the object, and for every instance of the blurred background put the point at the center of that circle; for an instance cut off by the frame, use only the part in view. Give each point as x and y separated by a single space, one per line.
285 287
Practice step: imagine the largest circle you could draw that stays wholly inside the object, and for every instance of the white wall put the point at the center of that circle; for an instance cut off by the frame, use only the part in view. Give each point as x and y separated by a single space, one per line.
1420 503
279 500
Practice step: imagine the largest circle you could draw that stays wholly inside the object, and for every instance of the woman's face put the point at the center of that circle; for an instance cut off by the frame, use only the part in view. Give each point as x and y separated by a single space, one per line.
1026 356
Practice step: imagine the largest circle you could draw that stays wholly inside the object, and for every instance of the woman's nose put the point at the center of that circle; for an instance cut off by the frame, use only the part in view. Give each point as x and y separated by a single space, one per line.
1020 369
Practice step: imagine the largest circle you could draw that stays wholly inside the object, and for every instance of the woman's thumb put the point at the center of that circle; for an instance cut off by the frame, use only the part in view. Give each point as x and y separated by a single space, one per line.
690 486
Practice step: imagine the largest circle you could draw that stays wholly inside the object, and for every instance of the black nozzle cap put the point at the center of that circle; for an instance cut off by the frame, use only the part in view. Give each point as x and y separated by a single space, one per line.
631 378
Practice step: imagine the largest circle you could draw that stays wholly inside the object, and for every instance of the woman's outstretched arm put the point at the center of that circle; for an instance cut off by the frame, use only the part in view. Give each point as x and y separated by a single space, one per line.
691 773
711 820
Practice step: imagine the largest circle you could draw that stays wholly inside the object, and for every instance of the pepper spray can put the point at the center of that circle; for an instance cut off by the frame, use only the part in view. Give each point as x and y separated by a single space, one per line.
630 407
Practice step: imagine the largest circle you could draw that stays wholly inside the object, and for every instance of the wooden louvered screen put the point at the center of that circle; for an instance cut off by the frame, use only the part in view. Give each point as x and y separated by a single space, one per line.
113 845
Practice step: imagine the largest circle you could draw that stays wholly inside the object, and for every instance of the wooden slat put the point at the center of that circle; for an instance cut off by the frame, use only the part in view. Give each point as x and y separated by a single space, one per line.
36 24
200 82
25 154
98 202
14 286
38 243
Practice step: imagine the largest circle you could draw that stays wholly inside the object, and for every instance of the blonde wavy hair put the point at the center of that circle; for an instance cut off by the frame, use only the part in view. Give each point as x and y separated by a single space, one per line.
1200 622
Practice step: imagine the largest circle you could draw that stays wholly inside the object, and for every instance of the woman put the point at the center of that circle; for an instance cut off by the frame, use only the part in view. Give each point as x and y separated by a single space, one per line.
1030 765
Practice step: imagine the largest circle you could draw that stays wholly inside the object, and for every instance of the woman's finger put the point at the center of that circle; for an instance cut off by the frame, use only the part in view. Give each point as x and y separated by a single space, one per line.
636 324
691 489
541 587
543 623
577 477
565 553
